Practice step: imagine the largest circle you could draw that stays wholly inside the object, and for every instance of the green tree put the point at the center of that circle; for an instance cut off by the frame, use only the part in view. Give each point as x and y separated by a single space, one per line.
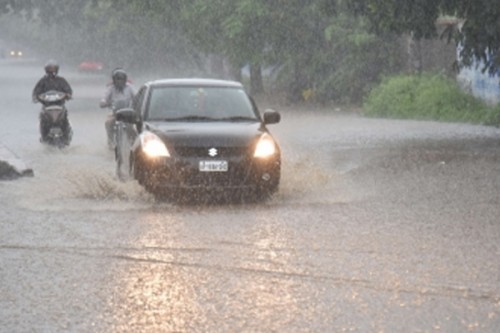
478 33
234 30
315 47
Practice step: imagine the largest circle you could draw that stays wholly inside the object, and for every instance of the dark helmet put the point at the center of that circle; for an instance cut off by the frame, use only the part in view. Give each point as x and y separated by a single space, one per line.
51 67
119 77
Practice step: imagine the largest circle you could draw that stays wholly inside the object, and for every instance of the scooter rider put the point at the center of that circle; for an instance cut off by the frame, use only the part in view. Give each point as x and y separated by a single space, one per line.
52 81
119 92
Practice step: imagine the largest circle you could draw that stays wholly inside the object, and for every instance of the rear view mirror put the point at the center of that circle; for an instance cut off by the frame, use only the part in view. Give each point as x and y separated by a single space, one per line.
271 117
127 115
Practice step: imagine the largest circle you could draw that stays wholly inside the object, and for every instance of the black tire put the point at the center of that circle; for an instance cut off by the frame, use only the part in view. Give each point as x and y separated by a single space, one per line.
142 175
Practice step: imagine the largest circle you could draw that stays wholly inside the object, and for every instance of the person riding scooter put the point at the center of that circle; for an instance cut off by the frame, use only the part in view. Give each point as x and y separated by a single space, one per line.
119 93
52 81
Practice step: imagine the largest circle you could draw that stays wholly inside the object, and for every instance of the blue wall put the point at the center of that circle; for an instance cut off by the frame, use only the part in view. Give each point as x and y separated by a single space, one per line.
485 86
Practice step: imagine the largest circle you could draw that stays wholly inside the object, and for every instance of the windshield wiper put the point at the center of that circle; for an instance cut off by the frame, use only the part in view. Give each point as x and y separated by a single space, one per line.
238 118
188 118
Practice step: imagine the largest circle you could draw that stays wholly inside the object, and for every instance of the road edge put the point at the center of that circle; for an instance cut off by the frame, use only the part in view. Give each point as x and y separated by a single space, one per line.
11 166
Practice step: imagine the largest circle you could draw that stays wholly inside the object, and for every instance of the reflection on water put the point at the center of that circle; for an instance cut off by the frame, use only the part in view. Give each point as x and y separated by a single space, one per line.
155 298
153 291
269 293
183 275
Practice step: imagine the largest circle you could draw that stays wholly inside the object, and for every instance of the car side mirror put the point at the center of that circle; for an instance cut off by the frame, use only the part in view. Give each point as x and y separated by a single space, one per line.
271 116
127 115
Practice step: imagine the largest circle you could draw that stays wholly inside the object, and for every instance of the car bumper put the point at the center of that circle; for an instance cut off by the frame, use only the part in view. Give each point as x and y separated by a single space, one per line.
169 174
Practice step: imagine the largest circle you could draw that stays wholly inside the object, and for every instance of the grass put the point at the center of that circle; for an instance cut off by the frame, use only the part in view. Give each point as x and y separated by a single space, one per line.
428 97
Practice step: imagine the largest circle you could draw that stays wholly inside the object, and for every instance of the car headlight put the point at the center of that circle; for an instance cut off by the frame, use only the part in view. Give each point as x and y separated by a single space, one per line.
265 147
152 145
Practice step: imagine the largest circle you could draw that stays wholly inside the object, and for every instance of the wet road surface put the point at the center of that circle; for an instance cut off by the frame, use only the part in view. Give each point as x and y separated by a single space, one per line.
379 226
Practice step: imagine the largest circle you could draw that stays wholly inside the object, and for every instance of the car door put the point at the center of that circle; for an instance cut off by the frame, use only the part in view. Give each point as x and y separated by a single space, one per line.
127 134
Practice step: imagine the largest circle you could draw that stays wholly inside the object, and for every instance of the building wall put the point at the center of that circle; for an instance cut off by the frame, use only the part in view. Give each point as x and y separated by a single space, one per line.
439 55
485 86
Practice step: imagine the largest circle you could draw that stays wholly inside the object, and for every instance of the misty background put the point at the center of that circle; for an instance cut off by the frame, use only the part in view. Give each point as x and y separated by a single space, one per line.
299 51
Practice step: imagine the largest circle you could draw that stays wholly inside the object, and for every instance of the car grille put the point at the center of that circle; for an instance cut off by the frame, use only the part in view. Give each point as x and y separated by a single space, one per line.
219 179
188 174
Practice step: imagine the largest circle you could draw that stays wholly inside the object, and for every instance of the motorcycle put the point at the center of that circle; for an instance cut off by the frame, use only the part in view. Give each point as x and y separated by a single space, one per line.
54 116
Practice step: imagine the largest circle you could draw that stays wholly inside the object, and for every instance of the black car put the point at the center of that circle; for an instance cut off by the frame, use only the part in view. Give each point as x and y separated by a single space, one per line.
198 136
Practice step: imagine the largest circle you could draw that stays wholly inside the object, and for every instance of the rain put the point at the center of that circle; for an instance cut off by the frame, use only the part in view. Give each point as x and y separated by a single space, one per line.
379 225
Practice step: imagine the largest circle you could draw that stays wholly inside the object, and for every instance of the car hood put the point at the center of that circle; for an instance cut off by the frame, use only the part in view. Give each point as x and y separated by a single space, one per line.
205 134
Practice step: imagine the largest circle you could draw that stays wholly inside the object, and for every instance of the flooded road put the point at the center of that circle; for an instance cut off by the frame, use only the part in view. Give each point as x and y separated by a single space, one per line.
378 226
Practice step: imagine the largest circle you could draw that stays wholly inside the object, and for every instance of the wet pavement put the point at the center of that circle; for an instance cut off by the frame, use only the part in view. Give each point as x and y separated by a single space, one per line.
379 226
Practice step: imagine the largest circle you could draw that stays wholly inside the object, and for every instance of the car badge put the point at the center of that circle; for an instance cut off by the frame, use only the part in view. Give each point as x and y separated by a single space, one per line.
212 152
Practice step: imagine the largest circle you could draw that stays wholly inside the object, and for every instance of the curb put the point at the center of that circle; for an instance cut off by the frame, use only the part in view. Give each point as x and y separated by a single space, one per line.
11 166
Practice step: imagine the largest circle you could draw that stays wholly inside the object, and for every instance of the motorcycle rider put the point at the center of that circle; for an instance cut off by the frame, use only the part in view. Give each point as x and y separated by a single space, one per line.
52 81
119 92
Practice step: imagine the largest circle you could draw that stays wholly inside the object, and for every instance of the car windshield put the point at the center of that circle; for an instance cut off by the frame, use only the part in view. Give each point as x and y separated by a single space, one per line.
200 104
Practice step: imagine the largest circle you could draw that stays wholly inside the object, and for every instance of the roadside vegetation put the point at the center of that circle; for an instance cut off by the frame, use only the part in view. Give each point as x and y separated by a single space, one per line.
319 52
428 97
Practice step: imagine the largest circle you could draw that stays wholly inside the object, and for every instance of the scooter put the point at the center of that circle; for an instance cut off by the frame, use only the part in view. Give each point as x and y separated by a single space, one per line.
54 116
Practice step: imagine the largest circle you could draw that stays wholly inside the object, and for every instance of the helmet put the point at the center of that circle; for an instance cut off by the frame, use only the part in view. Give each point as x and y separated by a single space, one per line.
119 77
119 74
51 67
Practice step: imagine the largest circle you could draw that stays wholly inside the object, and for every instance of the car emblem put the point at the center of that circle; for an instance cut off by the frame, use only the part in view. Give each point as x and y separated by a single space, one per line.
212 152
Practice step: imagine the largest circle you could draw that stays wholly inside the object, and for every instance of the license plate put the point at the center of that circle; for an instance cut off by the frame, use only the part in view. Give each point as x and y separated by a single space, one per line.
213 166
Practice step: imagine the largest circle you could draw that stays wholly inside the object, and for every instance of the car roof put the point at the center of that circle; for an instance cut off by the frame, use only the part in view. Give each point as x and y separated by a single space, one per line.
194 82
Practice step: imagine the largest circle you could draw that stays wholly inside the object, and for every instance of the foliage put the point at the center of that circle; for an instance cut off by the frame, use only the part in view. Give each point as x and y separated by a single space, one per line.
479 33
298 48
428 96
261 33
299 38
233 30
322 58
353 60
116 32
319 50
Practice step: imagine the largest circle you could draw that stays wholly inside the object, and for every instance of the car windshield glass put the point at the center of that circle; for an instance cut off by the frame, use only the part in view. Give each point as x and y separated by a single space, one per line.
200 104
